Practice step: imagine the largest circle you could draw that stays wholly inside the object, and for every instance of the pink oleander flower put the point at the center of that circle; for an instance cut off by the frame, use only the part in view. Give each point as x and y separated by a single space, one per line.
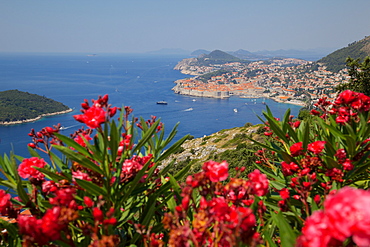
80 139
26 170
92 117
259 182
81 175
289 169
49 186
316 147
345 215
346 97
284 193
296 149
4 202
64 197
216 171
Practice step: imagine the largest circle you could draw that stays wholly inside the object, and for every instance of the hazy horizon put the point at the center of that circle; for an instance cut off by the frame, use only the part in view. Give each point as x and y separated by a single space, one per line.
146 26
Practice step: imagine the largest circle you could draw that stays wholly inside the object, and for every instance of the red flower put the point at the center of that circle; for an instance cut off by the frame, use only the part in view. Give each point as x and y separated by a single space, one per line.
315 112
259 182
49 186
4 202
81 138
347 165
284 193
316 147
88 202
346 97
296 149
216 171
296 124
289 169
93 117
98 215
64 197
345 215
316 232
26 170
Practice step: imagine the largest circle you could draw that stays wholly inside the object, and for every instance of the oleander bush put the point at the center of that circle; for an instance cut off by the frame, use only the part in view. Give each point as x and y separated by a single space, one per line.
104 185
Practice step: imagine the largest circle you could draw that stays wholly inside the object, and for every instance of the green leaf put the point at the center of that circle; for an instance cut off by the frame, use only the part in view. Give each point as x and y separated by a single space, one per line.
306 135
276 128
287 235
91 187
277 185
285 122
331 163
147 135
172 149
287 157
71 143
351 145
82 160
21 193
12 230
50 174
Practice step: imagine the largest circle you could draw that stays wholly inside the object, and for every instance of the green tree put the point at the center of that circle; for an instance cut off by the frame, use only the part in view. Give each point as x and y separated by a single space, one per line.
360 76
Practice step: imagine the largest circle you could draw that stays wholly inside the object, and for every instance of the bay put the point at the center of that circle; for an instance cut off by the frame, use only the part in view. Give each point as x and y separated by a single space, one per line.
136 80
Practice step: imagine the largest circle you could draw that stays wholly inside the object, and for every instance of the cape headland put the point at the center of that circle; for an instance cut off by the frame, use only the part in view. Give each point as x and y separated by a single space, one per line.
17 107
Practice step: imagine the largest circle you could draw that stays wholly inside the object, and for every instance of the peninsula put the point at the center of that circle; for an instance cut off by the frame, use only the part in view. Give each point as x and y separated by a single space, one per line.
287 80
18 107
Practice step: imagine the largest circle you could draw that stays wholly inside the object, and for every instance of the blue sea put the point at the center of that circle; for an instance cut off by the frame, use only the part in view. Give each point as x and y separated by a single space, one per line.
136 80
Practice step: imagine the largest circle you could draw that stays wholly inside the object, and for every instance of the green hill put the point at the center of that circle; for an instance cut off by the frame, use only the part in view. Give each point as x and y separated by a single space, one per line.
217 57
337 60
18 106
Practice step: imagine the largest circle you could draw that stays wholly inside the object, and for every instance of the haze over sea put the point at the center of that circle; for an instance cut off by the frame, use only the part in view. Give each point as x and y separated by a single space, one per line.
135 80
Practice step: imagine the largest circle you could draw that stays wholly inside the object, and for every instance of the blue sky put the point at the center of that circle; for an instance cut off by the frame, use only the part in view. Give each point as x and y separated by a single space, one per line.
122 26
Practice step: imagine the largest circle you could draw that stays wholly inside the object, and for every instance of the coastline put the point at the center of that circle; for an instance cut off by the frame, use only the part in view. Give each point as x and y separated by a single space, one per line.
36 118
227 94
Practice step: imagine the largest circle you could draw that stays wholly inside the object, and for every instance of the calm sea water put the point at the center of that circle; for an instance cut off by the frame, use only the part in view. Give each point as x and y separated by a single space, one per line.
135 80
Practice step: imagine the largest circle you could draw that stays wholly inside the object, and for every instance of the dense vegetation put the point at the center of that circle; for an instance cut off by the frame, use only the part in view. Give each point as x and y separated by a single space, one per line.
16 105
360 76
217 57
337 60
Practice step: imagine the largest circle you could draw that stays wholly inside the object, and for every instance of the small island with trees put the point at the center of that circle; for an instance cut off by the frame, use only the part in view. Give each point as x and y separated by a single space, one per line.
21 107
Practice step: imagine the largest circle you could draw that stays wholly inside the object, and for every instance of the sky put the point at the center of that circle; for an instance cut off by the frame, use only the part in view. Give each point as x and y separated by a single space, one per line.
122 26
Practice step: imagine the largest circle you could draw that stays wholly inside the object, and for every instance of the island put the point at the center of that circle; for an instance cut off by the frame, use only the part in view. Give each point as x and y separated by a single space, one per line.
18 107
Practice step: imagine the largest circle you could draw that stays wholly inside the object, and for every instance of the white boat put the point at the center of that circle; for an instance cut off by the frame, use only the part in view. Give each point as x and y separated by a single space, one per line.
235 110
189 109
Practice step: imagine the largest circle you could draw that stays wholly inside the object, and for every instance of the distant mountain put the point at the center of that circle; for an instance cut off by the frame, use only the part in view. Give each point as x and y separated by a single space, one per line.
170 51
200 52
337 60
309 55
244 54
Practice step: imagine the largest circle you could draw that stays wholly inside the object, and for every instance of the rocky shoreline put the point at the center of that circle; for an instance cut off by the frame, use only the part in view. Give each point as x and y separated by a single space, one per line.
37 118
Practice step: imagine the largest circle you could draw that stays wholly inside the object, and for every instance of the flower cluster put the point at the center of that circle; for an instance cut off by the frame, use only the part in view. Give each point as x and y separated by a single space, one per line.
346 107
345 215
97 114
26 168
222 217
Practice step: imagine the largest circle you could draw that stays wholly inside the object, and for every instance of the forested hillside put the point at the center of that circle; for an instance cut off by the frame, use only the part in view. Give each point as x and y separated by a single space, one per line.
17 106
356 50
